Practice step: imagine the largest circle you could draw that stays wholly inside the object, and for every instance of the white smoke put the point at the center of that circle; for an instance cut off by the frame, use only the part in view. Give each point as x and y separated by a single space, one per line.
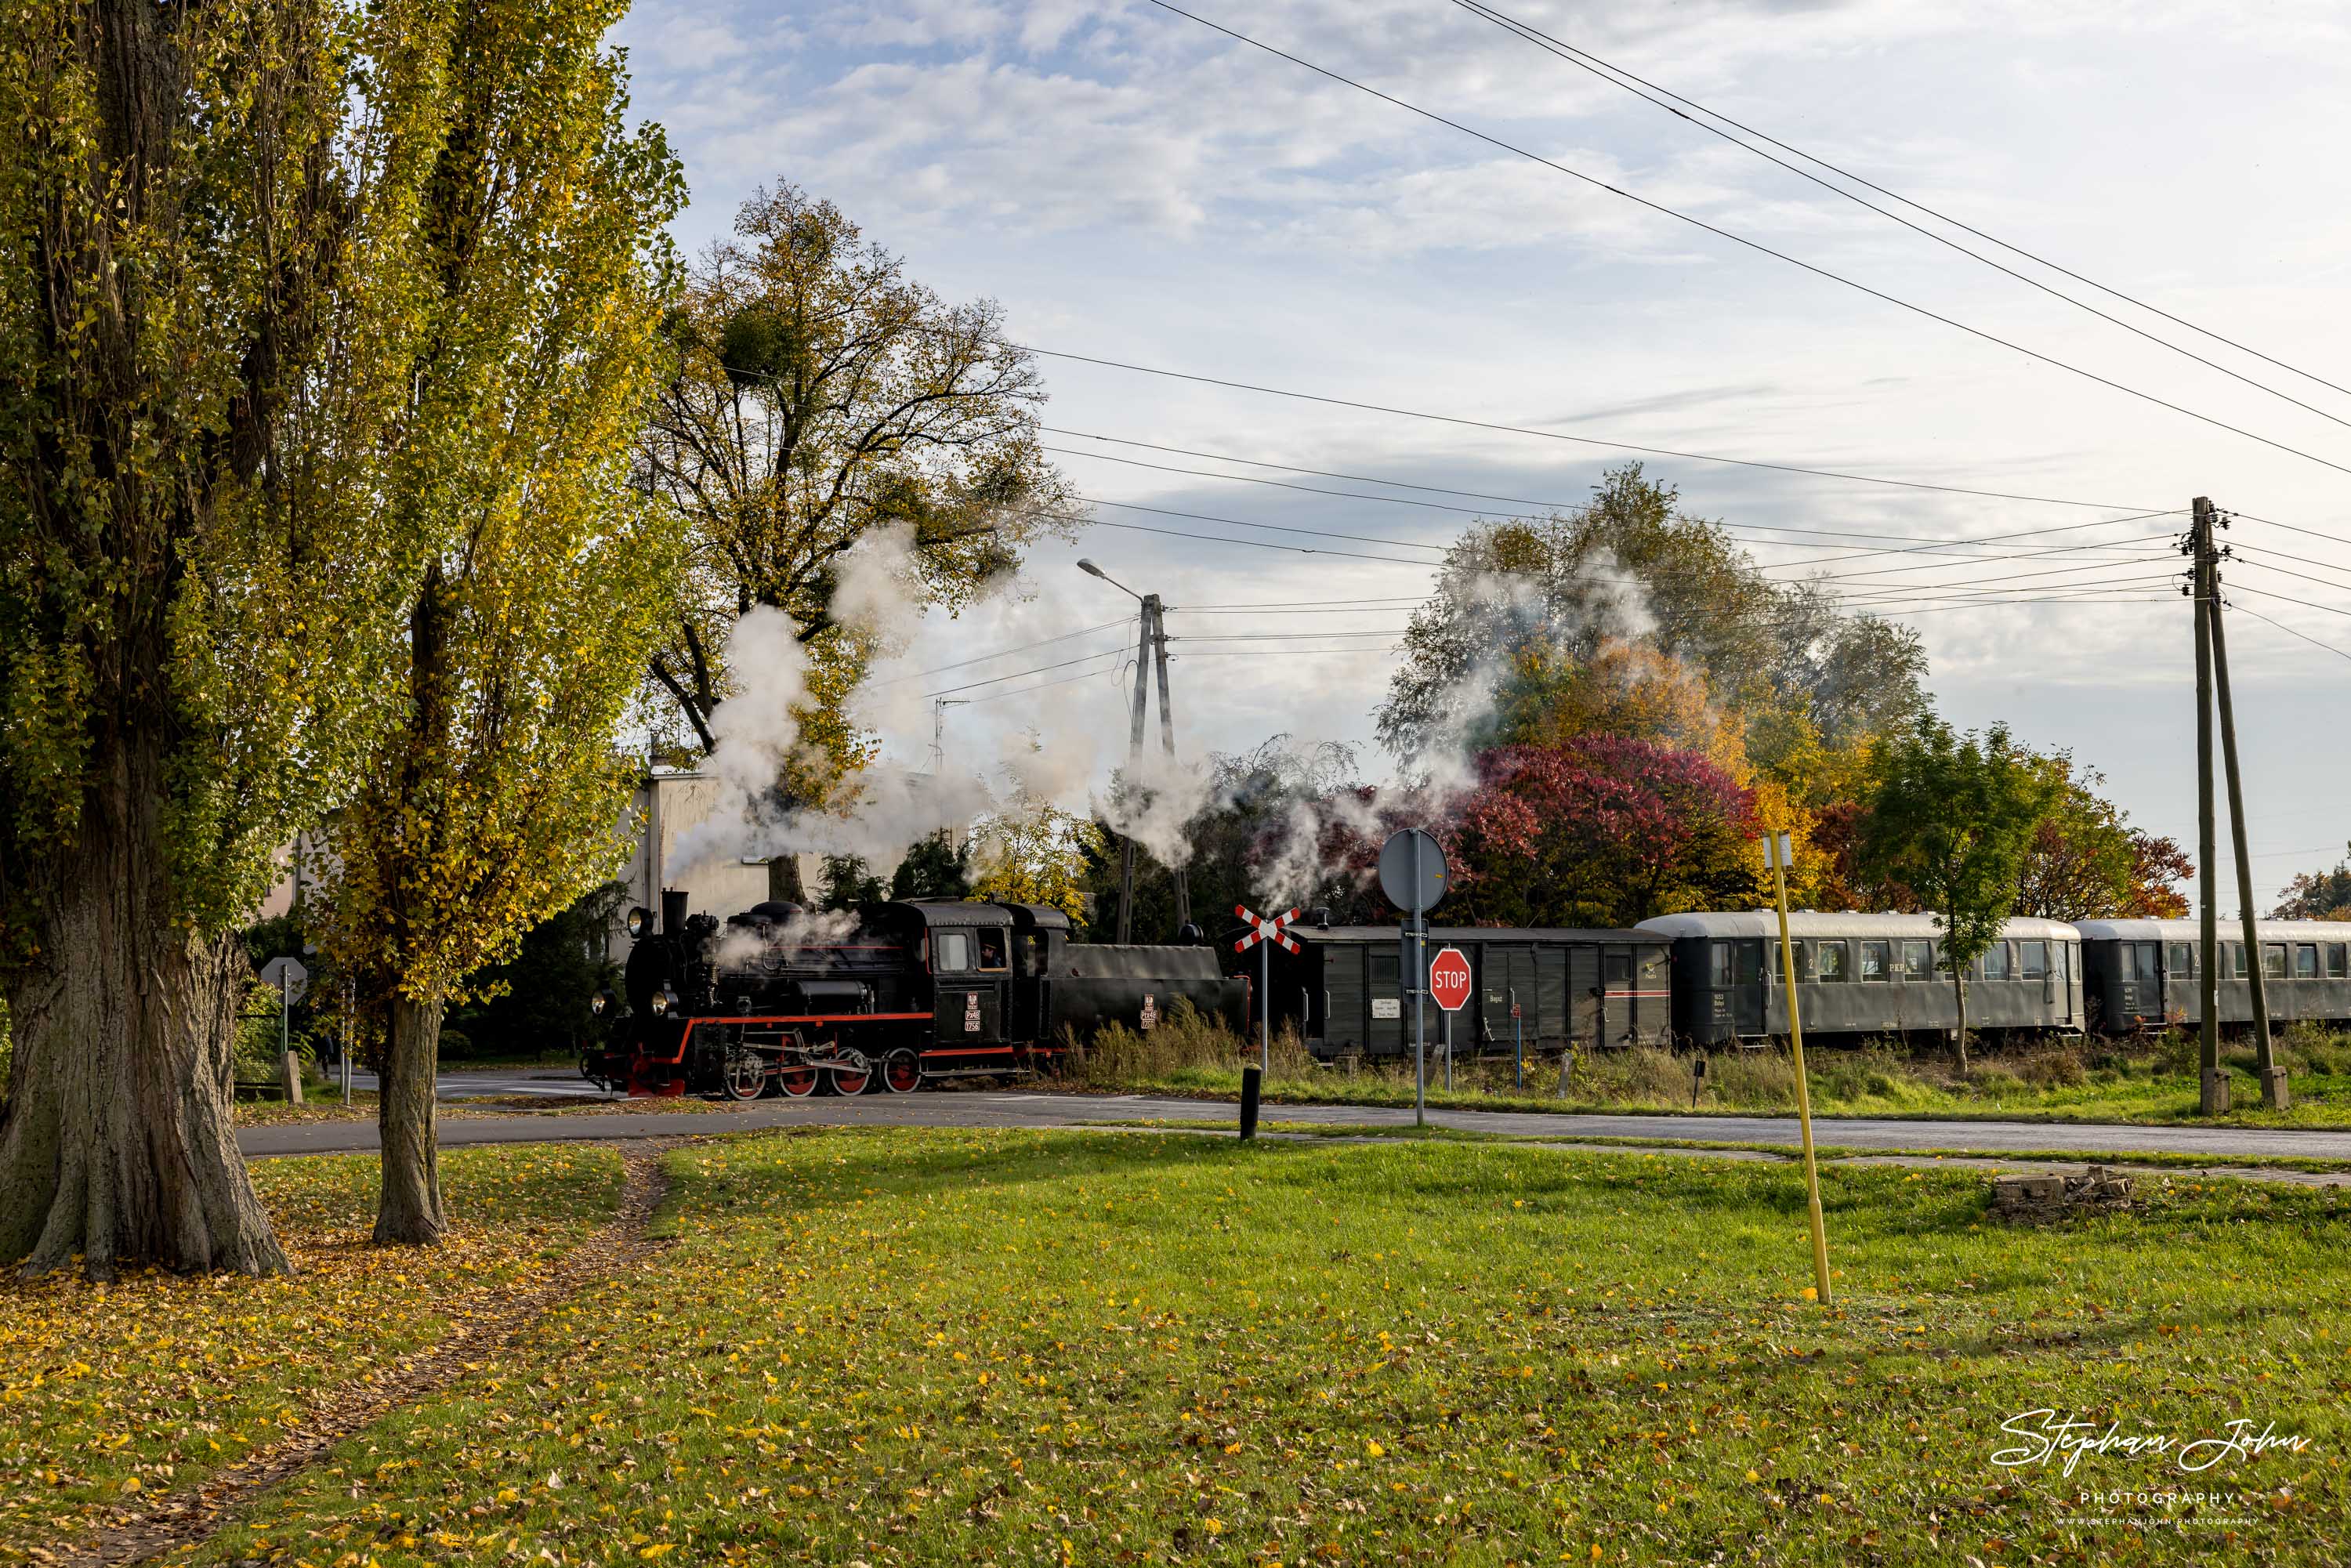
748 947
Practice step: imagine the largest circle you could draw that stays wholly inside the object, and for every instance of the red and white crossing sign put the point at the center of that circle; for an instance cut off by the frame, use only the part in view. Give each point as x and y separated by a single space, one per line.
1264 930
1448 979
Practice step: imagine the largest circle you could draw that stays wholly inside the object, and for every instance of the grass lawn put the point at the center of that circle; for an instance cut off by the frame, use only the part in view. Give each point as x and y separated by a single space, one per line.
151 1382
896 1345
1843 1083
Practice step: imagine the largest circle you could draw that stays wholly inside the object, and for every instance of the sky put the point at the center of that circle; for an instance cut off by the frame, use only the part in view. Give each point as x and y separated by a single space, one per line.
1132 185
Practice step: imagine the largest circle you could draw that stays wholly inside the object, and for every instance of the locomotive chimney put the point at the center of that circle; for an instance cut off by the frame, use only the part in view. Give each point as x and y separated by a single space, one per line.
674 910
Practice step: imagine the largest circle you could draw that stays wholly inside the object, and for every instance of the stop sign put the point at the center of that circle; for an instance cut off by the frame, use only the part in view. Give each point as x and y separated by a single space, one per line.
1448 979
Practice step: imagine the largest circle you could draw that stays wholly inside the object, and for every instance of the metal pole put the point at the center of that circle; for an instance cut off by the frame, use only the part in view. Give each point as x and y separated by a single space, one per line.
1518 1036
1265 1012
2213 1084
1803 1095
2264 1060
1419 979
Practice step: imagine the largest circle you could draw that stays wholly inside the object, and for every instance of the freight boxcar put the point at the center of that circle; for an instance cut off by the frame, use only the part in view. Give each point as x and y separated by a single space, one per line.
1343 993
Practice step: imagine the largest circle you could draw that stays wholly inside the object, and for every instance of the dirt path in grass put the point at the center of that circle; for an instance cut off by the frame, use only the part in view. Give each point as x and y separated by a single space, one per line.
180 1520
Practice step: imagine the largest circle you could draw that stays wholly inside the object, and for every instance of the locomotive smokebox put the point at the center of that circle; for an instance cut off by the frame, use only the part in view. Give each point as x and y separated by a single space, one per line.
674 910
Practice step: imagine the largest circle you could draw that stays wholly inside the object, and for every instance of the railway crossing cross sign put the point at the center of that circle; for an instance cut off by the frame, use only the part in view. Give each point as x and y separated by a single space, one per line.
1448 979
1263 935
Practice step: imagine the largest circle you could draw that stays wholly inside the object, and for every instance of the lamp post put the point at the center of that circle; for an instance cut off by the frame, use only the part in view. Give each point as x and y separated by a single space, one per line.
1150 650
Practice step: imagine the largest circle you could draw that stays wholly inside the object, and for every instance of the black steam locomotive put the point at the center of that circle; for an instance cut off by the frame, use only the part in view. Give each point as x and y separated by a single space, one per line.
777 1000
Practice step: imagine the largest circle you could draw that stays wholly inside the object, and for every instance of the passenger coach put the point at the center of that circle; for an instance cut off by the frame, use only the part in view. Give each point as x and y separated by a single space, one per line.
1861 974
2142 973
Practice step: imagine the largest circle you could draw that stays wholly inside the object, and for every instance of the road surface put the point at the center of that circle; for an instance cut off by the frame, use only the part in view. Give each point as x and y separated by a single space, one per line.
978 1109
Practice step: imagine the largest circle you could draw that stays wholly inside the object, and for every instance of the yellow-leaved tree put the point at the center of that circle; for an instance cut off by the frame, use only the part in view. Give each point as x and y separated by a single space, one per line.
1032 852
493 796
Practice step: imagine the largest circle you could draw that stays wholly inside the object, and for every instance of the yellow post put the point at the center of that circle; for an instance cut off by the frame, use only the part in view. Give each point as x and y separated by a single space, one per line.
1775 846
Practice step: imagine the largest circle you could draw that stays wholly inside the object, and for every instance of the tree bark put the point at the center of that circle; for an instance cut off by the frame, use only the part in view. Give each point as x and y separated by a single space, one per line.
1960 992
116 1145
408 1124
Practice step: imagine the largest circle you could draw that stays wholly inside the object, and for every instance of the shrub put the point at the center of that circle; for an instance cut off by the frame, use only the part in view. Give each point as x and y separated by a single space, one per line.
2055 1069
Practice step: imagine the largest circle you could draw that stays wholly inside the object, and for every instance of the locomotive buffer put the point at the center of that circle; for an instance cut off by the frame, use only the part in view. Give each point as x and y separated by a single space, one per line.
1262 935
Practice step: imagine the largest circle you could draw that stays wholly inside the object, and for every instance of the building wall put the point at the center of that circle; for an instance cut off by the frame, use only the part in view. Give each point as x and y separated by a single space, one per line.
664 809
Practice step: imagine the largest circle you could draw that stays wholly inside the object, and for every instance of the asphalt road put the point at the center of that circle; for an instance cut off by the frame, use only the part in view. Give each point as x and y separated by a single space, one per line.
556 1083
974 1109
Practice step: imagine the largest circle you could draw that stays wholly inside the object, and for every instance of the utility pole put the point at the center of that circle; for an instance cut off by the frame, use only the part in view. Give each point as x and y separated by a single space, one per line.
1167 744
2213 1096
2274 1078
1133 760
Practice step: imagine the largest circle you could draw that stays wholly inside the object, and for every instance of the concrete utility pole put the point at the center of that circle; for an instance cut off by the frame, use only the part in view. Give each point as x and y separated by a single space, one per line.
1150 651
2213 1097
1167 744
2273 1077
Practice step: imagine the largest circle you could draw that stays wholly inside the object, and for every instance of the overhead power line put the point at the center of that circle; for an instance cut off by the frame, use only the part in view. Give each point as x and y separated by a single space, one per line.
1595 66
1486 512
1561 435
1000 652
1759 246
2290 632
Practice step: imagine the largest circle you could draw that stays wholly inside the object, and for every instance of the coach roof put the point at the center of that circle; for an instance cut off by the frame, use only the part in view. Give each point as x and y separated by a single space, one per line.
1811 922
2231 930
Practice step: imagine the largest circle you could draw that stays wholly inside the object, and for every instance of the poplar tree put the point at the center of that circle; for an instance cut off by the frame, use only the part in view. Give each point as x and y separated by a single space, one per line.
493 798
186 606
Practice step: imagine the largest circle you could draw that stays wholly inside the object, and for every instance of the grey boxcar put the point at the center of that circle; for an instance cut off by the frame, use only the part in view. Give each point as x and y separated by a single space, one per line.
1342 992
1861 974
2142 973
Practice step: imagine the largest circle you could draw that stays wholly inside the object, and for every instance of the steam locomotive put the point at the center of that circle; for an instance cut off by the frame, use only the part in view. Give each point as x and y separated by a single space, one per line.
778 1000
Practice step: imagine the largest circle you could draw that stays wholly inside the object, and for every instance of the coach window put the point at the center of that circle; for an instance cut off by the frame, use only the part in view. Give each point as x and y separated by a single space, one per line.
2179 957
1804 970
1995 962
2272 960
2306 961
2337 952
1832 962
1874 958
950 952
1620 968
991 949
2033 960
1918 960
1717 964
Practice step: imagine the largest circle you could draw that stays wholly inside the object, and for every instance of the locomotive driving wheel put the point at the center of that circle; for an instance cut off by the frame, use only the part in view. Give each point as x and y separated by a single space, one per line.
744 1074
795 1078
855 1074
902 1071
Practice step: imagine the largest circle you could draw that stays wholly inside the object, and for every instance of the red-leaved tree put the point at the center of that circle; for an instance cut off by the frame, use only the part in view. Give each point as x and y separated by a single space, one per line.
1600 831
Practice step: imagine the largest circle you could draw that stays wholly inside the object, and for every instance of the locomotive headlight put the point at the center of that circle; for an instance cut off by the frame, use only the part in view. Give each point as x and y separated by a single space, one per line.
664 1001
601 1004
641 920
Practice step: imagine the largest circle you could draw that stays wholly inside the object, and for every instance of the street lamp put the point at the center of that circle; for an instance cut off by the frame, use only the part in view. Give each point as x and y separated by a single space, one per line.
1090 569
1151 646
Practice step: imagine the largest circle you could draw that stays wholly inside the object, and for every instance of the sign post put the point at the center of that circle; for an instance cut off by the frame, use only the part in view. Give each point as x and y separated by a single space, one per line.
1262 935
1413 875
1449 980
292 979
1776 847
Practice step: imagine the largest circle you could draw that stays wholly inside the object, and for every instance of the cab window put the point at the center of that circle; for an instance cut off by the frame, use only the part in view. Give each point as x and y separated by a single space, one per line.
991 950
950 952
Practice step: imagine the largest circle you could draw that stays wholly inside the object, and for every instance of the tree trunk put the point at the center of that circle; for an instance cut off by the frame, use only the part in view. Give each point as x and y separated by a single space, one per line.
408 1124
1959 991
117 1144
784 880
